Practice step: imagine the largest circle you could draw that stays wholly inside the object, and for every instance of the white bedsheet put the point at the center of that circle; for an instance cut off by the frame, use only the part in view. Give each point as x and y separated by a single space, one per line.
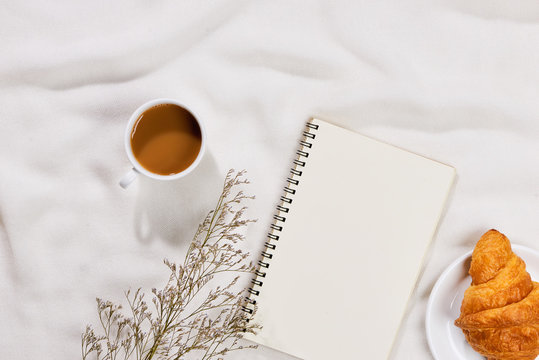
457 81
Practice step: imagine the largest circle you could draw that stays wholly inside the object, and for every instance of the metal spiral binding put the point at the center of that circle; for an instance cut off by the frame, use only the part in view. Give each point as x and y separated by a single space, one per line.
279 217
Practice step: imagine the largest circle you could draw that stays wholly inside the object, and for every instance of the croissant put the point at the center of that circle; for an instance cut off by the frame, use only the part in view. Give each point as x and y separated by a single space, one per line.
499 314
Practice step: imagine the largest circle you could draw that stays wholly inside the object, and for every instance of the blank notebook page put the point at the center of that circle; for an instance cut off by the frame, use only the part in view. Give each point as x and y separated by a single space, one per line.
350 250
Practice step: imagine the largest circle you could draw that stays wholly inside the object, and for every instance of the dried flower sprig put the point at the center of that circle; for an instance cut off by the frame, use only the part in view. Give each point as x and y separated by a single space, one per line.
189 316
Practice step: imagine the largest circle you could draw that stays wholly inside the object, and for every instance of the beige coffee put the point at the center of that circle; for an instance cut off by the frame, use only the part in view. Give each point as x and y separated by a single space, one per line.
166 139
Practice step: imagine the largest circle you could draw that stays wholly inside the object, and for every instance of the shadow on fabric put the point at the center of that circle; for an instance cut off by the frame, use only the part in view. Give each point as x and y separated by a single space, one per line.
171 210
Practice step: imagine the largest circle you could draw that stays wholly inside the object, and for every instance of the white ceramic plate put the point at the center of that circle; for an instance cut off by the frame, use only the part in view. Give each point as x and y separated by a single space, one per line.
446 341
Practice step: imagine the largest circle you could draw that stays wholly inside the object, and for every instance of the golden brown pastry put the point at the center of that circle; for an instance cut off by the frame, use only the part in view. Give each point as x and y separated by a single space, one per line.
499 314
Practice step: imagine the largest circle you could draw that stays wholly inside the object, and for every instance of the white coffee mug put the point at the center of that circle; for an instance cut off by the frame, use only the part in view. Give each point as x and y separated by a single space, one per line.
137 169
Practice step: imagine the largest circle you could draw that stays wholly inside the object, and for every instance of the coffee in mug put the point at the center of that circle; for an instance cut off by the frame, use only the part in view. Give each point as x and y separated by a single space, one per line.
166 139
163 140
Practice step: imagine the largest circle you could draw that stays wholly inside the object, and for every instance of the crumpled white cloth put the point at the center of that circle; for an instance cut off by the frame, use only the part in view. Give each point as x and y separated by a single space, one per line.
453 80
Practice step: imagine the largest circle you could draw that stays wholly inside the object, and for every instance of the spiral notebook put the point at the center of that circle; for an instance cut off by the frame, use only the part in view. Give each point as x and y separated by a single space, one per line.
346 246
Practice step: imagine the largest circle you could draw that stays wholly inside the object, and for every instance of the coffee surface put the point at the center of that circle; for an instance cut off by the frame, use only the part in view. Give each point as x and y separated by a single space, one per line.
166 139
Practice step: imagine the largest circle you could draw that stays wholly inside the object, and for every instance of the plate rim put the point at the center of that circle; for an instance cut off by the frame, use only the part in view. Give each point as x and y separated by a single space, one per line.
439 283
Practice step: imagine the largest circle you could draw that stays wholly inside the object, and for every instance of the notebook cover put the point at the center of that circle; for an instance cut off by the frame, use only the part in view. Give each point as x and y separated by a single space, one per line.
351 245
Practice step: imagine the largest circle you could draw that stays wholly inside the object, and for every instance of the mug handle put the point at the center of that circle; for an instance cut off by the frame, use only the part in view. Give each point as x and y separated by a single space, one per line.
128 178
